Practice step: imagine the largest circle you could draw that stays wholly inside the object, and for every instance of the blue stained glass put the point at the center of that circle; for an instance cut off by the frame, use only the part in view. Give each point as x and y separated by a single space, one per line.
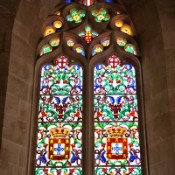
59 137
117 144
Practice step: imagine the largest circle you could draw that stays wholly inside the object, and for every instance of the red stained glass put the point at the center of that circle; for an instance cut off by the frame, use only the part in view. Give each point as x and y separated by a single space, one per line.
59 137
116 133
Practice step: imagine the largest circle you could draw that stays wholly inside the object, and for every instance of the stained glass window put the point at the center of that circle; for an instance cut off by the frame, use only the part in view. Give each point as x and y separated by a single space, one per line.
76 15
59 139
88 34
116 119
89 69
101 15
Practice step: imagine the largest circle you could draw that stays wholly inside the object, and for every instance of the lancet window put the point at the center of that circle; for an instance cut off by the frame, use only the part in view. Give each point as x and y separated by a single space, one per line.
88 111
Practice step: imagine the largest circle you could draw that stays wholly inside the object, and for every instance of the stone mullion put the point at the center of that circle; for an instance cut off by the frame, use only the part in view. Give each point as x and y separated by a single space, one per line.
88 127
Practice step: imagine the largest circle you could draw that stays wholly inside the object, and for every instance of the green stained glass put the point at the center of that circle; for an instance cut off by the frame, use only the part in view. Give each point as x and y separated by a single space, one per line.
58 144
95 12
59 136
114 79
107 17
100 15
60 108
60 171
103 11
76 15
55 42
115 108
118 170
69 18
121 41
73 12
117 144
82 13
61 79
116 134
45 49
130 48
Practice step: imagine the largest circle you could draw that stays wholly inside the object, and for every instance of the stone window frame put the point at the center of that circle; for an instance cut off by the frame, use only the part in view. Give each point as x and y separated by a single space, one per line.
88 70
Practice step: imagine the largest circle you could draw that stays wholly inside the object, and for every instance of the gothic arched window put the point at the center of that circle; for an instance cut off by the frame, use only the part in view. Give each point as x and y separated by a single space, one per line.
90 109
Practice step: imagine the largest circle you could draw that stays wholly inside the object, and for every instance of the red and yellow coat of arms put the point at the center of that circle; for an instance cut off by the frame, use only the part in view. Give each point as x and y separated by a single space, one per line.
116 144
59 145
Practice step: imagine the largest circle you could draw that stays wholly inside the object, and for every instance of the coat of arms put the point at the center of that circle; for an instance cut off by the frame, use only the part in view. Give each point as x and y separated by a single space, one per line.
116 143
59 145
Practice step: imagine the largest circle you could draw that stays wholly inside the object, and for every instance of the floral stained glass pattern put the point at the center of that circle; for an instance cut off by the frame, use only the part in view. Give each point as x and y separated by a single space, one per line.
118 171
61 171
76 15
101 15
59 138
88 34
117 145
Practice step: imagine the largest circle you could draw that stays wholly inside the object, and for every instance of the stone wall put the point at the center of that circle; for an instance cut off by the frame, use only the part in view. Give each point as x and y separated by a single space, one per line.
6 22
166 10
154 22
21 57
7 15
155 27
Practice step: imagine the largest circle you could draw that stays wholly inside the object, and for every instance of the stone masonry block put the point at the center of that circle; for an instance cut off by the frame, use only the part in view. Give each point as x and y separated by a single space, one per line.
158 129
156 106
18 87
171 95
10 152
11 110
24 111
17 132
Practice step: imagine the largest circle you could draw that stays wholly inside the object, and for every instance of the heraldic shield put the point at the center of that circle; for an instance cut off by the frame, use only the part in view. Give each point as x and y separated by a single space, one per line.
116 144
59 145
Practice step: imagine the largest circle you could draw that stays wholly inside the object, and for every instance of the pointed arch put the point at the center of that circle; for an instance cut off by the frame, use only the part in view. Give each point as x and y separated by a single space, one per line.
75 33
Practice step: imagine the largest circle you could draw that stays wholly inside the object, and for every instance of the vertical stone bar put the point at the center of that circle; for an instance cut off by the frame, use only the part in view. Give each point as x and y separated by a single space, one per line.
88 135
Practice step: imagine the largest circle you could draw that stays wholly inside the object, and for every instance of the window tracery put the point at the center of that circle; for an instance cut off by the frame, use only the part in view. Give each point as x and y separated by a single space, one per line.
78 39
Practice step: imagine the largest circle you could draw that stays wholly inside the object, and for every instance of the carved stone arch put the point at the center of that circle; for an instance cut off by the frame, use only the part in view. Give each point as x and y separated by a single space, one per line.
152 23
70 31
